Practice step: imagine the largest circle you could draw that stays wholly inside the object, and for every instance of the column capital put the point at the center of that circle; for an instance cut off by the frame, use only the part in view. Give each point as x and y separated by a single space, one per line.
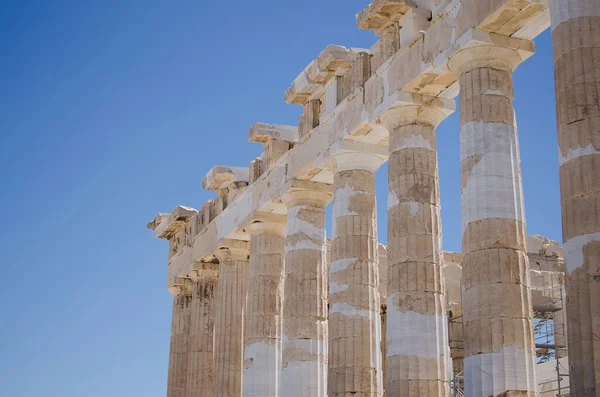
181 286
310 83
380 14
477 49
263 223
233 250
204 270
263 133
299 192
418 109
167 225
221 177
346 155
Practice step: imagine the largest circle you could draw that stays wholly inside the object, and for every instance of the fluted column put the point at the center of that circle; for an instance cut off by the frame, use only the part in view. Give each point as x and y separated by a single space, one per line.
354 314
418 354
304 367
180 334
229 319
498 317
576 41
200 360
262 347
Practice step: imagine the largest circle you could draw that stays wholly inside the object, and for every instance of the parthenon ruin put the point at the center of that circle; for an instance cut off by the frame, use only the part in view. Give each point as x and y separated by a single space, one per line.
265 305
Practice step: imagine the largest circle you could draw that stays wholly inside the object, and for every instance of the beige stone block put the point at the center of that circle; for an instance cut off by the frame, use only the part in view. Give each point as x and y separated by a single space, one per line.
358 180
310 118
166 226
492 266
491 335
359 225
264 133
421 136
494 233
584 325
486 96
415 277
256 170
353 247
580 196
412 383
405 66
208 212
576 49
381 13
221 177
414 23
416 249
390 41
374 92
412 187
376 56
361 71
416 219
474 13
512 16
497 301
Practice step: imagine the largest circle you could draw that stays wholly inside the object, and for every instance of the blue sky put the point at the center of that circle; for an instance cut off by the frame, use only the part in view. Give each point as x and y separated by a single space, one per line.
113 111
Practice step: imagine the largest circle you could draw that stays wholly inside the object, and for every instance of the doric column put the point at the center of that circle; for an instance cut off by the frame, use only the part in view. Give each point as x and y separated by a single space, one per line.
418 355
229 318
498 317
180 333
354 314
576 41
262 347
200 361
304 368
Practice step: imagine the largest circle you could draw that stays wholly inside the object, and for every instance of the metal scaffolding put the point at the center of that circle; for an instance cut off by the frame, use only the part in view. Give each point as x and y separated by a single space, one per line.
550 338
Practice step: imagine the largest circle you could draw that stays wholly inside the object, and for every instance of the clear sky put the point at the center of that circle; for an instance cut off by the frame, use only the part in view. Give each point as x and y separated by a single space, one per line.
113 111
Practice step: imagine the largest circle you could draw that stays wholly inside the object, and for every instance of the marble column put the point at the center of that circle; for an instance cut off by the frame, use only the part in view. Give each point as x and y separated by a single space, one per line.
498 317
200 360
354 314
229 319
576 42
264 304
304 366
418 354
180 334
